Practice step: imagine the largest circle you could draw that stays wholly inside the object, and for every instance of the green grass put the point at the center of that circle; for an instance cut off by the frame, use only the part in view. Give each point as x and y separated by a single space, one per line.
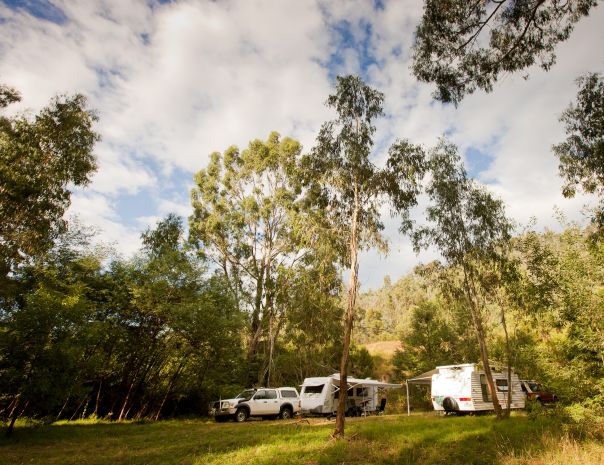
392 439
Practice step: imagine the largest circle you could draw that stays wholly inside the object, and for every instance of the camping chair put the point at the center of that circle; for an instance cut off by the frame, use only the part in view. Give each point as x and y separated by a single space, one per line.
382 407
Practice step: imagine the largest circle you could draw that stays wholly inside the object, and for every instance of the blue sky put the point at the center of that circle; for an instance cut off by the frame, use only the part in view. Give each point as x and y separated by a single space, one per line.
174 81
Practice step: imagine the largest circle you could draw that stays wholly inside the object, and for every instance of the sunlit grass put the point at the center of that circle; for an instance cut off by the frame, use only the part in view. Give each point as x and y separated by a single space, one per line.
391 439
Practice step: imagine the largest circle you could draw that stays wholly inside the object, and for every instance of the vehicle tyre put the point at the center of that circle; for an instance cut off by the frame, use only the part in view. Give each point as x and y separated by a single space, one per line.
241 415
450 405
286 413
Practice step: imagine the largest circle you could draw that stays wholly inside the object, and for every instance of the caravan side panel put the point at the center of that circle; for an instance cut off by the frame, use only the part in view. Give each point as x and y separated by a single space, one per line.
478 392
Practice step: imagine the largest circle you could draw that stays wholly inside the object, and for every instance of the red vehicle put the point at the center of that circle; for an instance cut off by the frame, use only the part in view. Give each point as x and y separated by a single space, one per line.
535 391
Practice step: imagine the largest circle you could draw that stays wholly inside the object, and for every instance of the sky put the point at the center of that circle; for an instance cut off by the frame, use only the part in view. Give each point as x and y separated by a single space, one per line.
173 82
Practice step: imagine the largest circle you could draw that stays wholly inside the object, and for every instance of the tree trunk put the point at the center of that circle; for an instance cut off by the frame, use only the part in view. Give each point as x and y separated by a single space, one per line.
78 408
472 296
255 328
508 355
348 321
63 408
123 410
13 415
169 390
98 397
487 367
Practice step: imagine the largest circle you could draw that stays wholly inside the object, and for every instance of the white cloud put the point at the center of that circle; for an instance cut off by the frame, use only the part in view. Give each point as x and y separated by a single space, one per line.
94 209
174 82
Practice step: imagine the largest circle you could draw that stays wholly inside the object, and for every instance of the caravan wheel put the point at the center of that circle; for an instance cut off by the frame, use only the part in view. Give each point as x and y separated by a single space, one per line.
450 405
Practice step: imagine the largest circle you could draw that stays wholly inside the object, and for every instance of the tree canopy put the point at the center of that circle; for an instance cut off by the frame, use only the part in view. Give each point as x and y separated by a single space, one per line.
462 46
40 160
581 155
342 179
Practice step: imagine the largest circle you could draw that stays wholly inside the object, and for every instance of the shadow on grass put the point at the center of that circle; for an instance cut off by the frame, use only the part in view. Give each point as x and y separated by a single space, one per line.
469 440
379 440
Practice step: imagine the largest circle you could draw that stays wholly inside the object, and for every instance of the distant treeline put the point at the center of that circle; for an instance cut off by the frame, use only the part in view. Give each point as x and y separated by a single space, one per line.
157 335
554 306
253 294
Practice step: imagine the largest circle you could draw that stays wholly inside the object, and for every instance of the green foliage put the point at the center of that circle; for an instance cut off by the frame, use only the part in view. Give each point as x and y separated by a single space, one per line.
139 339
581 155
563 303
464 45
343 181
40 160
464 221
252 223
342 178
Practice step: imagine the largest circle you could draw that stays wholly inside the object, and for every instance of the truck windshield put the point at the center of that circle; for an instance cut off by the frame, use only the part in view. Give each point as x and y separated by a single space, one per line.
247 394
534 387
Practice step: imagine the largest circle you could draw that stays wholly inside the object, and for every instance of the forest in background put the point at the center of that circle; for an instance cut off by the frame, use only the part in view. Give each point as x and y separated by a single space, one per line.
253 294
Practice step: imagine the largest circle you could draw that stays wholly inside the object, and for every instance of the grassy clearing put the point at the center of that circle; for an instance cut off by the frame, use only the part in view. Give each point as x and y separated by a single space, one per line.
394 439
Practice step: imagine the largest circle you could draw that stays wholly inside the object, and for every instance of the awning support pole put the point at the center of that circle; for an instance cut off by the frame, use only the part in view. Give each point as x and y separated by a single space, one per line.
408 406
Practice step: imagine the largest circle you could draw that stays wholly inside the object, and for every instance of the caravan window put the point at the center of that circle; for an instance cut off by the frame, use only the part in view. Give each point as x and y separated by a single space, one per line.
313 389
486 395
502 385
362 392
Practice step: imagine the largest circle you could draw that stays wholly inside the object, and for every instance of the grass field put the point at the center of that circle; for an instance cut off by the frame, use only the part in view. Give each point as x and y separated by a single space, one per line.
391 439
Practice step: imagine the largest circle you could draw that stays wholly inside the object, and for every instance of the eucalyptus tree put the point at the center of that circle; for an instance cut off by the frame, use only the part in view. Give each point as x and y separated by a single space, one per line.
40 160
250 220
343 180
581 155
463 45
469 228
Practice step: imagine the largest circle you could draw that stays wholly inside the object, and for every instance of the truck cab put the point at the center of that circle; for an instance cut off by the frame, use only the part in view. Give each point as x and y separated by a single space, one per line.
267 403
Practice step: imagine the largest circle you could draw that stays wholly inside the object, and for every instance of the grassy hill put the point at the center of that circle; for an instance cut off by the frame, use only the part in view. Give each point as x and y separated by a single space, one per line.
384 349
391 439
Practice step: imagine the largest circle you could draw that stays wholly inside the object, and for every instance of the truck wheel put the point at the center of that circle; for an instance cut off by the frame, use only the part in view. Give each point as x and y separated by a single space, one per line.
286 413
241 415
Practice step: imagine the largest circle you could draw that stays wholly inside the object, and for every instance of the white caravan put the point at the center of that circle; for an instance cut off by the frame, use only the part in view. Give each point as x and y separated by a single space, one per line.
463 388
320 396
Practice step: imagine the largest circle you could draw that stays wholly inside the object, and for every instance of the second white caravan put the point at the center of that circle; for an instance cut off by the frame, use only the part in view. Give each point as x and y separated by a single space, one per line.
320 395
463 388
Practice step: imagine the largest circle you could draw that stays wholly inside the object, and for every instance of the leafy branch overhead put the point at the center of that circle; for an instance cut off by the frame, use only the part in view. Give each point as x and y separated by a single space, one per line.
40 159
463 45
581 155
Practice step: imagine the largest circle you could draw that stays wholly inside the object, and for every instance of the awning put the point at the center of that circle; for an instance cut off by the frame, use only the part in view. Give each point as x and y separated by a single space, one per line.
352 382
424 378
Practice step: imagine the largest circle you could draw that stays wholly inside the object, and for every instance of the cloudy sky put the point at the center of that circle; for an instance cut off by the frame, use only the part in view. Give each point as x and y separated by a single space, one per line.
174 81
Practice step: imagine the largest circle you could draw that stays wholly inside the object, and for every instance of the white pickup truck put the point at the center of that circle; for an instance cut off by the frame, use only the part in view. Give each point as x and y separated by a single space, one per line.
281 402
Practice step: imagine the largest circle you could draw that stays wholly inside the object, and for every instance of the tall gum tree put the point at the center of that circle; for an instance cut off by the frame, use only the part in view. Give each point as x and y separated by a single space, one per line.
251 221
342 179
469 228
40 159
